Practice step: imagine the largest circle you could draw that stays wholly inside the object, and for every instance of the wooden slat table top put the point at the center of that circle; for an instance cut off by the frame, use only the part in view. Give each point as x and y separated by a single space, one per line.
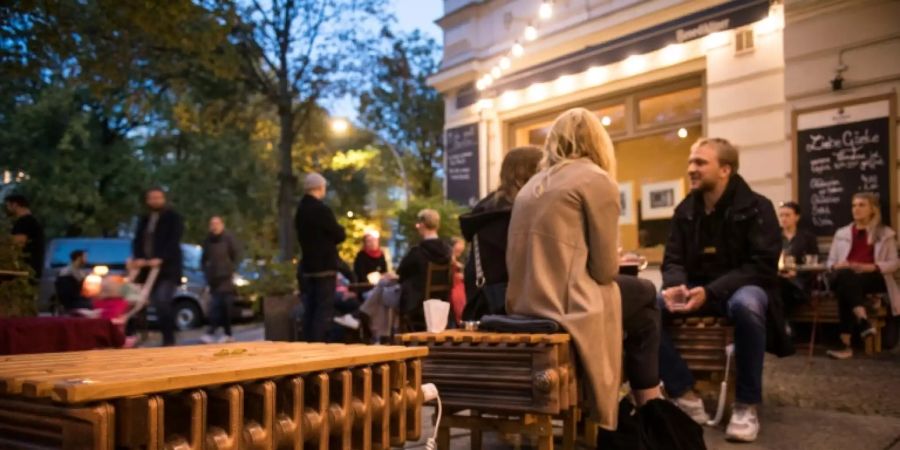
76 377
483 337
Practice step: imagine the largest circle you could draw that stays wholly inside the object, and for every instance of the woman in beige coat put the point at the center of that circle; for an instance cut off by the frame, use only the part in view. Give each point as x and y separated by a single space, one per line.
562 257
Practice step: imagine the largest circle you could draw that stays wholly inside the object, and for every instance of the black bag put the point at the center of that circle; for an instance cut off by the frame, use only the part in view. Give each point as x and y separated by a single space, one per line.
517 324
658 425
489 298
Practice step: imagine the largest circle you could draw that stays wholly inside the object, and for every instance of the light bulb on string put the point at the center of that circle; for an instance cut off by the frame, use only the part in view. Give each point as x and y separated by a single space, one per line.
517 49
495 72
530 33
546 10
505 62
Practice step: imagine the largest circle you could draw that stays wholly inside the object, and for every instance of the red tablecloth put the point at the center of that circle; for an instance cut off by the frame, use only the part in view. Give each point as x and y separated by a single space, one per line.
57 334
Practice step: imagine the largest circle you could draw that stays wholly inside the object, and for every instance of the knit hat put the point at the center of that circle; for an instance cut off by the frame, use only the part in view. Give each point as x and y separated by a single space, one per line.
313 180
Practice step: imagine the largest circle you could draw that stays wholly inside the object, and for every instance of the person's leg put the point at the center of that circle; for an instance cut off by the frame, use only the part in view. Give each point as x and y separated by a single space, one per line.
848 288
747 310
324 316
673 370
227 300
641 323
214 313
161 296
308 296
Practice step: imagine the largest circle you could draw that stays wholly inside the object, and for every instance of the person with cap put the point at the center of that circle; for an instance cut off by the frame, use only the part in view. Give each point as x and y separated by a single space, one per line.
319 234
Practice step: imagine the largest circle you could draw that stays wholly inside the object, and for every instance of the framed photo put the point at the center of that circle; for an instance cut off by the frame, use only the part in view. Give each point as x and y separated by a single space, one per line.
658 200
626 203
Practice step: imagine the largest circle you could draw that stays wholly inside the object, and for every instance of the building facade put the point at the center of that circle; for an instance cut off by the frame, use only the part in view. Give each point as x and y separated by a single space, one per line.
660 74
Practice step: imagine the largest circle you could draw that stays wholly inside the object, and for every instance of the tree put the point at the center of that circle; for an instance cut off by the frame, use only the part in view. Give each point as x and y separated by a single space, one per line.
407 113
298 52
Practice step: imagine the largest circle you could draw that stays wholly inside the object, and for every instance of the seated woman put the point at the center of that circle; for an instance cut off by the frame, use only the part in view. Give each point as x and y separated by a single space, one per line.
562 259
370 259
864 258
489 222
796 244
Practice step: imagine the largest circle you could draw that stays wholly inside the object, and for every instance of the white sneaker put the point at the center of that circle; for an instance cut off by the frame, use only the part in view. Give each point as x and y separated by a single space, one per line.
347 321
693 408
744 424
207 338
224 339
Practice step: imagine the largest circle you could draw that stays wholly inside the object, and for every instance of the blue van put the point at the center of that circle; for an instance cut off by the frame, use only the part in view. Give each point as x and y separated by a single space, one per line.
192 299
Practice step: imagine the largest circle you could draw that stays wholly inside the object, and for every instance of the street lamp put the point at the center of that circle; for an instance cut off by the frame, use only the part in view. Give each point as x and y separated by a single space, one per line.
341 126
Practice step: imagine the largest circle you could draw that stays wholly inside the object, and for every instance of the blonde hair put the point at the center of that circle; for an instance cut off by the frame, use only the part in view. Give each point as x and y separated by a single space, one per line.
578 133
429 218
726 153
875 220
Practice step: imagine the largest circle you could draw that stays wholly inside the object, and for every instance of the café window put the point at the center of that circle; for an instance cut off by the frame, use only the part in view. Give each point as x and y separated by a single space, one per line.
671 107
612 117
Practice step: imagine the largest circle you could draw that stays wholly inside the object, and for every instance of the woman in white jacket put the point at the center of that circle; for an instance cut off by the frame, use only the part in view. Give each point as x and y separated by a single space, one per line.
864 258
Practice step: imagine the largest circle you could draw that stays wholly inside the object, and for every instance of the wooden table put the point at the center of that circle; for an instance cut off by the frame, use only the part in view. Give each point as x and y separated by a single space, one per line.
510 383
260 395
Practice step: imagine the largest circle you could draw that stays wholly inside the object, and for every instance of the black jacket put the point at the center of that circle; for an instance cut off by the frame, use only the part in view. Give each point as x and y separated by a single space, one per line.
747 248
220 260
413 273
804 243
489 219
166 244
319 234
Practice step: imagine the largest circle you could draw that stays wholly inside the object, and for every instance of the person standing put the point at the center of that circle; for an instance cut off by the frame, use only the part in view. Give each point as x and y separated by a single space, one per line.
27 232
157 243
722 259
221 257
319 234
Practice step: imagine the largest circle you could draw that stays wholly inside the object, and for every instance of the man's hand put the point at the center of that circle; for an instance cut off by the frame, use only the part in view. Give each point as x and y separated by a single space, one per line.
155 262
863 267
696 299
788 274
137 263
674 297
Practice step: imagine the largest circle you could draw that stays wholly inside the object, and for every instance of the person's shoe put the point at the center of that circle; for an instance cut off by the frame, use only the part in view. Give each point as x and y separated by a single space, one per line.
843 353
347 321
744 424
207 338
226 339
693 408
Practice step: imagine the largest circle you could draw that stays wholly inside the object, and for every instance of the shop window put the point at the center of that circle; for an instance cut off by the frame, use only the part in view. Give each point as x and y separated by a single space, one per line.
613 118
671 107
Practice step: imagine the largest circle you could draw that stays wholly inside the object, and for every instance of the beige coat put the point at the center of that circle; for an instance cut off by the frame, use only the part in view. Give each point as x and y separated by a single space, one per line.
885 257
562 257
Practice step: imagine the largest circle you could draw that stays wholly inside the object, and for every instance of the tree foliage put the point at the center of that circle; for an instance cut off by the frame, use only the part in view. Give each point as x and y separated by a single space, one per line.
405 111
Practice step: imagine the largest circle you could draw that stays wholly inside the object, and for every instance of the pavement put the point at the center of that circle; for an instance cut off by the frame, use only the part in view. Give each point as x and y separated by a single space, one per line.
809 403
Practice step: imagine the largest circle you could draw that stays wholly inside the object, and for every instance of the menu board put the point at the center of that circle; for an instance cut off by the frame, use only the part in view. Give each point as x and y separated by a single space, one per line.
839 152
462 164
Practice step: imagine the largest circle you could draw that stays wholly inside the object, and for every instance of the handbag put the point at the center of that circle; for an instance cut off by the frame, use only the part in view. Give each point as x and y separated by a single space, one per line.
658 425
488 298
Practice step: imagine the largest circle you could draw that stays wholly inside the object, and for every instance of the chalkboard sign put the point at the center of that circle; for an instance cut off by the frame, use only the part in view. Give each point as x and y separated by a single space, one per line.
462 164
839 152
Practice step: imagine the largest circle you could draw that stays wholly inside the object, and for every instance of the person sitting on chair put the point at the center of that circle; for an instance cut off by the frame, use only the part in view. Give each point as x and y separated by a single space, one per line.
413 270
796 244
69 282
721 259
864 258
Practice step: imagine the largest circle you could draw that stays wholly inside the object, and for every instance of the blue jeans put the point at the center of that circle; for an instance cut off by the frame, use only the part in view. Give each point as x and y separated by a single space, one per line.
747 311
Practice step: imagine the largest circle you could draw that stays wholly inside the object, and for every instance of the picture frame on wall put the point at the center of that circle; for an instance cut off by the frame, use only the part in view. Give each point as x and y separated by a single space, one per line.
626 203
658 200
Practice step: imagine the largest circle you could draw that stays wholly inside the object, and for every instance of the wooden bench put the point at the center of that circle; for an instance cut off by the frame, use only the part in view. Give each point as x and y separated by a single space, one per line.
259 395
510 383
823 308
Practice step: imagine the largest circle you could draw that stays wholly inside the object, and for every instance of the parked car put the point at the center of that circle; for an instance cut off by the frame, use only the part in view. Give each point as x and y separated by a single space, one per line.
192 299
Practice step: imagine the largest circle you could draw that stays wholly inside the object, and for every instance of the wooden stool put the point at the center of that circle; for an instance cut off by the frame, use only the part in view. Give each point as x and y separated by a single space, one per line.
702 342
510 383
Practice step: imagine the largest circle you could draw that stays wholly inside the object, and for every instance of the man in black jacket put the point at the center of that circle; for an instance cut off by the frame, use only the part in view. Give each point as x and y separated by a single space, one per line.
413 270
220 260
157 243
319 234
721 258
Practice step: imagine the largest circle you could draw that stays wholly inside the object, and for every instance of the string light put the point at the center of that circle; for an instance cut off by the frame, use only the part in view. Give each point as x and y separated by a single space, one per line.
495 72
505 62
546 10
517 50
530 33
